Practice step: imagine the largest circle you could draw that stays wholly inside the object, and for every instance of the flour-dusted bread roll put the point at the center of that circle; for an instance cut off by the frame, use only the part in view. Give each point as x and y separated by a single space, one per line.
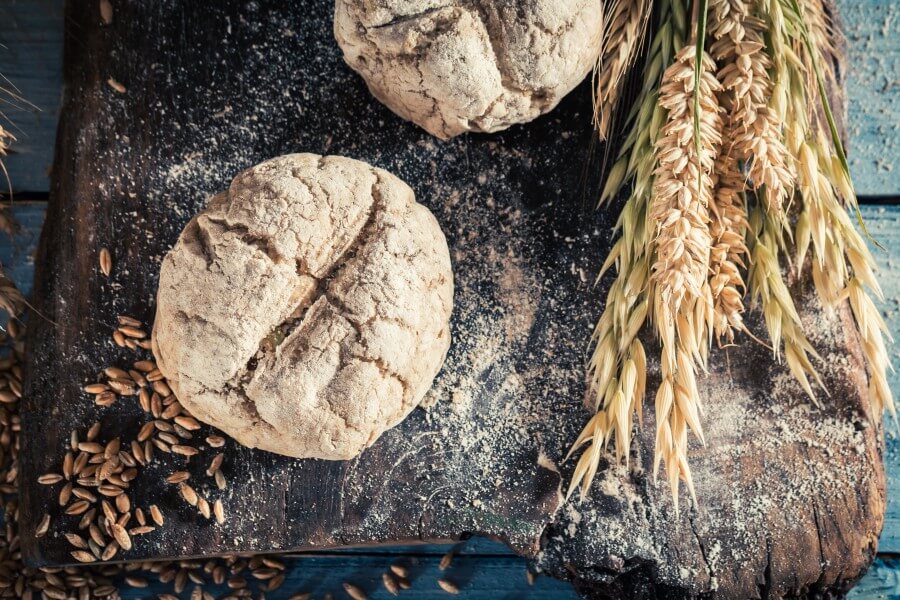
307 309
453 66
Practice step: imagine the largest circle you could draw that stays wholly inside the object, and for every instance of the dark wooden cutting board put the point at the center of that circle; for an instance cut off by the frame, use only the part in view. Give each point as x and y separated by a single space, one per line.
791 497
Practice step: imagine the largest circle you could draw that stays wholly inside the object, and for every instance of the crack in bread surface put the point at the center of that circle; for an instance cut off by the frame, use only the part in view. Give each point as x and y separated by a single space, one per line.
344 260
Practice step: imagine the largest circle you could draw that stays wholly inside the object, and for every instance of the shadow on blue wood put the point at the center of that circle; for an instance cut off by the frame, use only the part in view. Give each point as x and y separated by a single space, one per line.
17 254
495 575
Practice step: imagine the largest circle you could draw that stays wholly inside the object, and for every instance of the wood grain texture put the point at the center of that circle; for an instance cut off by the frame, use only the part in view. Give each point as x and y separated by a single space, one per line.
222 95
230 86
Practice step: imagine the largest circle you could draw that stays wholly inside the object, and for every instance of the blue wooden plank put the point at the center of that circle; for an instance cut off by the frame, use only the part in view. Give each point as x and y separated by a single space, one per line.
31 38
882 582
873 32
884 225
17 253
31 57
478 577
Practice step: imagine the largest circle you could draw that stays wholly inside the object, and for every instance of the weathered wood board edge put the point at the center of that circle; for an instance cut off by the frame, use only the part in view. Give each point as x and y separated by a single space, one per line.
17 257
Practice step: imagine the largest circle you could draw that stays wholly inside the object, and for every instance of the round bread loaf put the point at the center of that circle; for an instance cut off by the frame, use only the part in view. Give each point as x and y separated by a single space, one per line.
307 309
453 66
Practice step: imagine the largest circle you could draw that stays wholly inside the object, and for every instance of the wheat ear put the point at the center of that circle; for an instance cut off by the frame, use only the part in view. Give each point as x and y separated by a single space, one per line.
769 290
11 299
753 127
623 31
617 369
843 267
6 138
682 301
728 255
826 41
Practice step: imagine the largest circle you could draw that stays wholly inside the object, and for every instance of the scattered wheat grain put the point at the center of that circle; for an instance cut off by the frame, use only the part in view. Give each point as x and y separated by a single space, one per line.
219 511
446 560
82 556
105 256
390 584
116 86
43 526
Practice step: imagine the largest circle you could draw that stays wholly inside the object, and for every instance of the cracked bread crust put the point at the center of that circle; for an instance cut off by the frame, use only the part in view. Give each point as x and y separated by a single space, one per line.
453 66
307 309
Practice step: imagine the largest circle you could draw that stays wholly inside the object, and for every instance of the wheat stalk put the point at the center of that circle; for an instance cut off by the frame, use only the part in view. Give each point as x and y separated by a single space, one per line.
623 31
769 290
738 45
679 208
825 41
843 266
617 369
11 299
686 235
6 139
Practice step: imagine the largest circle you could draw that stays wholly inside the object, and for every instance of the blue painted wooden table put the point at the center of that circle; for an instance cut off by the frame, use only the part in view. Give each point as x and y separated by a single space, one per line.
30 57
